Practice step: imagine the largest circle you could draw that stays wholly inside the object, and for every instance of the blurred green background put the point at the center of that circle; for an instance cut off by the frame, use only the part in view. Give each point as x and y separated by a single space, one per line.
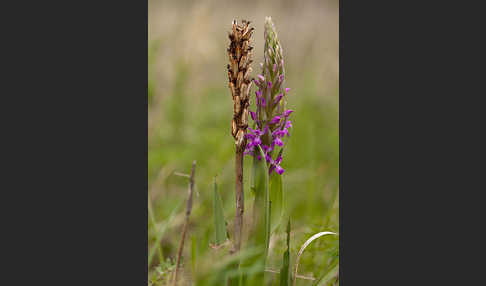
190 110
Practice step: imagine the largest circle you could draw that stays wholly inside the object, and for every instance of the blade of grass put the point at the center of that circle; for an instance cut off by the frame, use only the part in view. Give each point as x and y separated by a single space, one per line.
261 206
154 225
260 231
186 222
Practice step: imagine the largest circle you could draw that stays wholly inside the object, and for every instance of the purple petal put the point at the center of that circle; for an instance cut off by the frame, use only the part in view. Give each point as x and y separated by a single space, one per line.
253 115
270 148
277 99
249 150
271 168
288 124
276 119
278 141
261 77
263 101
268 158
281 77
249 136
257 141
279 170
256 132
278 133
264 148
287 89
287 112
258 93
269 84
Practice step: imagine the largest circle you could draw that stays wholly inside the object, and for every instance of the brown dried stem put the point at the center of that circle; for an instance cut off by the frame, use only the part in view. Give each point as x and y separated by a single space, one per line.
186 222
239 69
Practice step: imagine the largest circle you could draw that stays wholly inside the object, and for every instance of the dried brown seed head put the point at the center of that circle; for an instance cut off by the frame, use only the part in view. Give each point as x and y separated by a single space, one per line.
239 70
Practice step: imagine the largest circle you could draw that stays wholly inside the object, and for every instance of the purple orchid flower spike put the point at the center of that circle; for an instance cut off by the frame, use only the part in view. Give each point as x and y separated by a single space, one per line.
271 119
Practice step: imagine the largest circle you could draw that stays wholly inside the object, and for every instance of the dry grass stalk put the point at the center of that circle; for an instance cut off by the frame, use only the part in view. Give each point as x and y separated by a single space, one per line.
239 71
186 222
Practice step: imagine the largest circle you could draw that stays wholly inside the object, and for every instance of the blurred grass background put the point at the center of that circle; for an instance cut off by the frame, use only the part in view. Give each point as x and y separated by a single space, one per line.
190 111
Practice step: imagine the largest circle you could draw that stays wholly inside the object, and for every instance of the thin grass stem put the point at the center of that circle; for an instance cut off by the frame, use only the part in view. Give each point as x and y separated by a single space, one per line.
186 222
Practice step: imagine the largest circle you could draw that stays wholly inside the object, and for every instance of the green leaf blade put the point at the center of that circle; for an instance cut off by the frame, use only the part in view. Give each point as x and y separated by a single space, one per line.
260 230
262 202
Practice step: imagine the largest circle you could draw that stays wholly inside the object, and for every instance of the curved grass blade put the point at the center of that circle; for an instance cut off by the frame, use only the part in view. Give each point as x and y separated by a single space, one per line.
311 239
